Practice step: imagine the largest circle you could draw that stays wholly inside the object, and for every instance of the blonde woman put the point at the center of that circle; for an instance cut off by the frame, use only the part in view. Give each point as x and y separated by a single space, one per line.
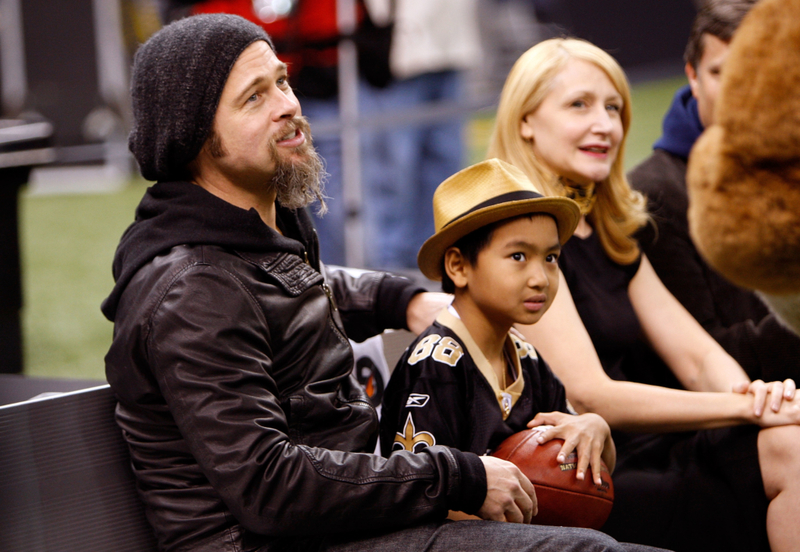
696 471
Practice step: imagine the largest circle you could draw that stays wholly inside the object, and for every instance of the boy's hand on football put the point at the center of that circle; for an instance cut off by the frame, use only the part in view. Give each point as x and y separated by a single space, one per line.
586 434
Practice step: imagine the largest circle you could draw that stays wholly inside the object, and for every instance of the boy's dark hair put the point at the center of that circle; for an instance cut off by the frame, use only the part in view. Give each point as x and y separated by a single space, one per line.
719 18
476 241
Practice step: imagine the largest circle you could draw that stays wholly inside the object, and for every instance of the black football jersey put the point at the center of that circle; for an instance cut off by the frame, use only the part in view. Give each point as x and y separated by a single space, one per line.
444 392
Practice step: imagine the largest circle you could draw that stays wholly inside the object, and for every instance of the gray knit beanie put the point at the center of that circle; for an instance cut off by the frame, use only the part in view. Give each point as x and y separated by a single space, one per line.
177 79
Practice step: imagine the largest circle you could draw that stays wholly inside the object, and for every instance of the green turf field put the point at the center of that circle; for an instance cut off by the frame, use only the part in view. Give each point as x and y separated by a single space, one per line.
68 244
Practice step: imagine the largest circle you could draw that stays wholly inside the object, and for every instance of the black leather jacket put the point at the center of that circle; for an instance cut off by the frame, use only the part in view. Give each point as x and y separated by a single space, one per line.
246 427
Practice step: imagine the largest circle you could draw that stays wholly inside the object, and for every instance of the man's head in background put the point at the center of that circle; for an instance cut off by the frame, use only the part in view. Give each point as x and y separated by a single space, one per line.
707 50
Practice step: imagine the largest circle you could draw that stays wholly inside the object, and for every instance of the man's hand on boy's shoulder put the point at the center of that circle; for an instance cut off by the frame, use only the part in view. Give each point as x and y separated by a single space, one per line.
423 309
587 434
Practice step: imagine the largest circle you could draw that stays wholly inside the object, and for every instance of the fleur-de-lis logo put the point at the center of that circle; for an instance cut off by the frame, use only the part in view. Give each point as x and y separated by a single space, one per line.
409 439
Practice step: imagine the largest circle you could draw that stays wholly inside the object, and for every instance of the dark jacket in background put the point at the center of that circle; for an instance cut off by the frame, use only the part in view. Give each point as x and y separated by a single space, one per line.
233 371
735 317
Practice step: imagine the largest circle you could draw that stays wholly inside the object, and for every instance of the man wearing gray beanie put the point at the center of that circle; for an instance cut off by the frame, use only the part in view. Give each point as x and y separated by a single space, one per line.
230 361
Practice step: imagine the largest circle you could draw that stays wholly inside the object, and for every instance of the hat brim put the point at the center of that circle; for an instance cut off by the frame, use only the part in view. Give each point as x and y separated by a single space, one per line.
565 211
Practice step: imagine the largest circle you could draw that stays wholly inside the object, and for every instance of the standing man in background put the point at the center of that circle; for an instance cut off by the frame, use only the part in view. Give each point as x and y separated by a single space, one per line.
435 43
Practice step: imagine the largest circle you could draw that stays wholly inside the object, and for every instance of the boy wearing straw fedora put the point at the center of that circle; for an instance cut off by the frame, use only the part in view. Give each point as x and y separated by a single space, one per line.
469 382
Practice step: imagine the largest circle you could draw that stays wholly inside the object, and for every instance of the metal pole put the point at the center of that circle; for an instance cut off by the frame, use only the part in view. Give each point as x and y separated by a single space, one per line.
12 50
109 120
350 139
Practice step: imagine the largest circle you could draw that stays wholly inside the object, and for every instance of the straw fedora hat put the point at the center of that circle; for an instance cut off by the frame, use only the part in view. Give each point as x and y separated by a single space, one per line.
484 193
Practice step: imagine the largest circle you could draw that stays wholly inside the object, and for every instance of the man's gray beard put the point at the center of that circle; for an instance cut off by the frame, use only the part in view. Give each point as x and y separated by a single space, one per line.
299 183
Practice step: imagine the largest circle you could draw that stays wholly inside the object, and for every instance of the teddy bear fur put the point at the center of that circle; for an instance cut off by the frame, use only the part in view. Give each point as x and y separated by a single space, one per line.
744 171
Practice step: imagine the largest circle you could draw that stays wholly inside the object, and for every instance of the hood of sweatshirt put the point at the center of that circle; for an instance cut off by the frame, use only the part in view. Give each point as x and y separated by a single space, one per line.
182 213
681 126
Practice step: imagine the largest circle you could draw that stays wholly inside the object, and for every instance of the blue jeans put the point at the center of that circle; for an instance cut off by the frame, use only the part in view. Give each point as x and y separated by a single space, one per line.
401 168
486 536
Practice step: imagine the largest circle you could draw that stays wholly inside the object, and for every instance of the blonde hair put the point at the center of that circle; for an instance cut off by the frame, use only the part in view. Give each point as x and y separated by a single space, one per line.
619 211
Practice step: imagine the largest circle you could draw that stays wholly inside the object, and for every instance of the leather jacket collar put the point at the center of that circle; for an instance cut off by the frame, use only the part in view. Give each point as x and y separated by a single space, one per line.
182 213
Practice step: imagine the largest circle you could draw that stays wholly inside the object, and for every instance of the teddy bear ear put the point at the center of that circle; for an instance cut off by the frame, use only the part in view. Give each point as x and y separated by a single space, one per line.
744 172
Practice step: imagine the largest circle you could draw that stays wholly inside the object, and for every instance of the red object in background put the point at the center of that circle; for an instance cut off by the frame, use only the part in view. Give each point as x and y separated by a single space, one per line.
563 499
309 35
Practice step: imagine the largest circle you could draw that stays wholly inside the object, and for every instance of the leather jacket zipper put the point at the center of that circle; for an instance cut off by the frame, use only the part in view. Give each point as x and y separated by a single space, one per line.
327 289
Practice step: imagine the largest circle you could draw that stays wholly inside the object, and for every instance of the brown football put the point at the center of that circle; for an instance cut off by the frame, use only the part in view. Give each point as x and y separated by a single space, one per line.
562 498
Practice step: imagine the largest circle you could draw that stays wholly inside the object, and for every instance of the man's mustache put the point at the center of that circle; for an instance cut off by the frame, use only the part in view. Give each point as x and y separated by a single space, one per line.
297 122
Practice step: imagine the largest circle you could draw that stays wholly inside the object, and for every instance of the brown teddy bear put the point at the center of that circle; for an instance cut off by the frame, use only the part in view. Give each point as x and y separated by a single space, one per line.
744 171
